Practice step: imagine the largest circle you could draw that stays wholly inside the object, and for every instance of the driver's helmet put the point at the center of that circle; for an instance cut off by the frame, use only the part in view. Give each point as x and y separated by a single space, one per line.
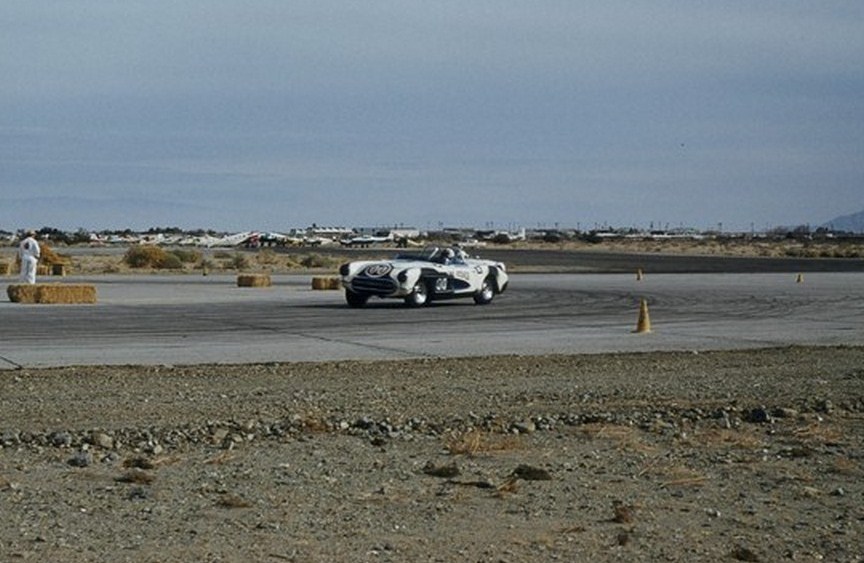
448 254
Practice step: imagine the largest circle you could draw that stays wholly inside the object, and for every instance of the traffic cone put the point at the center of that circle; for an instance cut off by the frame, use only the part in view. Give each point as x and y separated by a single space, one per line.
639 275
644 322
800 278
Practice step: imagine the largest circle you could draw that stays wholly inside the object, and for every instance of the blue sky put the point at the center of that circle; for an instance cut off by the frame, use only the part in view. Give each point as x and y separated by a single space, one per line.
272 114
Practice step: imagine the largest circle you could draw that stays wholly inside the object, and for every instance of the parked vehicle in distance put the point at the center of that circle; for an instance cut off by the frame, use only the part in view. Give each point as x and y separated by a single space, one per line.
422 276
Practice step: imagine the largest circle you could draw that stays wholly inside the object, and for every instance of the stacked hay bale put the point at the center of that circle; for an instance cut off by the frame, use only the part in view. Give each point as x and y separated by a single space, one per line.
254 280
326 282
52 293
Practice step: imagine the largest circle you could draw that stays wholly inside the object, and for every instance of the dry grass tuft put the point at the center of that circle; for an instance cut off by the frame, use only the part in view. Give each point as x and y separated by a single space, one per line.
741 438
845 466
220 459
627 437
475 442
229 500
819 433
671 473
508 487
610 431
683 477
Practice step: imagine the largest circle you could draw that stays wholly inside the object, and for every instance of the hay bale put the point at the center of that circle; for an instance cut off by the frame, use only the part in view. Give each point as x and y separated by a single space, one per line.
49 256
58 269
4 269
326 282
52 293
254 280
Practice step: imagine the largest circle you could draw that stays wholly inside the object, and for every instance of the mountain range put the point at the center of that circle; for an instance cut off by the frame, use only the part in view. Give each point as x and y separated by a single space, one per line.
853 223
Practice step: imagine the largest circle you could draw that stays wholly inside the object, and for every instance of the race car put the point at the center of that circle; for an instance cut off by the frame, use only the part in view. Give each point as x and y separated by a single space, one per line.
421 277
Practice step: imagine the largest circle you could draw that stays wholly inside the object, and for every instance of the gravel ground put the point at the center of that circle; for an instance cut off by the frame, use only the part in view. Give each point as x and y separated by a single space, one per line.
715 456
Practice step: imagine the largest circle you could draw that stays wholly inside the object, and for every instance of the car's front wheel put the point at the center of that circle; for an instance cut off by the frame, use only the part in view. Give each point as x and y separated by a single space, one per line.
419 296
486 293
355 299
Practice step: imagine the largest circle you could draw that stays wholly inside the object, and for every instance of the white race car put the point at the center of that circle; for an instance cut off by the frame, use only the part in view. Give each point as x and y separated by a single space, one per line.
423 276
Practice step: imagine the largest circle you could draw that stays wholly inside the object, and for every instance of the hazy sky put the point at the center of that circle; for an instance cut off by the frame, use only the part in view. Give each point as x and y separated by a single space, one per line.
271 114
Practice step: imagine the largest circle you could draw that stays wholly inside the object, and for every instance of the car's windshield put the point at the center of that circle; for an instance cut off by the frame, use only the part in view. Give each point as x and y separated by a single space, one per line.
425 255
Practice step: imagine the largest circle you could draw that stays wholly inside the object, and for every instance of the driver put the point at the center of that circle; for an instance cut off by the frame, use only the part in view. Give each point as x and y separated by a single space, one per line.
447 256
460 255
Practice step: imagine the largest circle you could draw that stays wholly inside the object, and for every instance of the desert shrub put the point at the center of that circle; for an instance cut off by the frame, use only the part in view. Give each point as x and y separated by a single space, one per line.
187 256
207 265
237 262
267 257
312 261
171 262
144 256
147 256
223 255
318 261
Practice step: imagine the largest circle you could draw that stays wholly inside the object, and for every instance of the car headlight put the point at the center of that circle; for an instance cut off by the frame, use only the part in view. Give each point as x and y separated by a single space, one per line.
344 269
402 276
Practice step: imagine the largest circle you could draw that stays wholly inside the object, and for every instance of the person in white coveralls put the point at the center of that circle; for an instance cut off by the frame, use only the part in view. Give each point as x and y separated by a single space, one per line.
29 253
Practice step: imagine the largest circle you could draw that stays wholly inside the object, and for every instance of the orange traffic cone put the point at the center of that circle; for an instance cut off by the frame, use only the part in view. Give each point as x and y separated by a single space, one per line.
644 322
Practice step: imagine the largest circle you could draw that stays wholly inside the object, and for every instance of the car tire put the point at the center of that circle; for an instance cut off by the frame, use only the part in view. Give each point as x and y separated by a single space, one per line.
419 295
355 299
486 293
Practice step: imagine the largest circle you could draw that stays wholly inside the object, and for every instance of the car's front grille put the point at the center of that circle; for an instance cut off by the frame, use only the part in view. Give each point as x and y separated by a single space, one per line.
374 286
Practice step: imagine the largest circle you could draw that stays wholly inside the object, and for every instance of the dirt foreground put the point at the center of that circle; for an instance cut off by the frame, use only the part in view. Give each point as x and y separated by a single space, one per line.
720 456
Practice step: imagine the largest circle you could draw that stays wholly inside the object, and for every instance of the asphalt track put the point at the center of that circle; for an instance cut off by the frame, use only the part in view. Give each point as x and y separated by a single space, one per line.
171 320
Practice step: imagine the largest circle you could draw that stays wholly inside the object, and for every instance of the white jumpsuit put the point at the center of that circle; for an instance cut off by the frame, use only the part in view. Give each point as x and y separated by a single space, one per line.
29 253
